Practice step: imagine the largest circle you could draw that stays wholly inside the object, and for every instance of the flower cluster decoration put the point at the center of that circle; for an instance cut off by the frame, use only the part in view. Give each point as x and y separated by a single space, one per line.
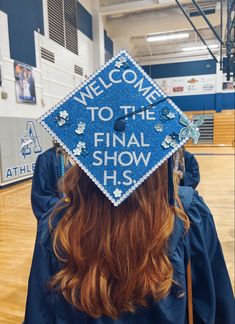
62 118
117 193
80 149
159 127
166 114
171 141
80 128
122 62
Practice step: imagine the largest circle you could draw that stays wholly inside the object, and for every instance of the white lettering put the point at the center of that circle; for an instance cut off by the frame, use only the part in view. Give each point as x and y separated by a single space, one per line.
140 85
97 139
92 112
123 158
143 144
133 141
95 89
130 72
111 76
150 115
121 141
151 96
125 175
106 86
141 157
110 177
88 94
99 159
107 109
110 158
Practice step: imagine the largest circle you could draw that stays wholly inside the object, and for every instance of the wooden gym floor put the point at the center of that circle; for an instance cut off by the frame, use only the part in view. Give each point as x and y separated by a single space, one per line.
18 226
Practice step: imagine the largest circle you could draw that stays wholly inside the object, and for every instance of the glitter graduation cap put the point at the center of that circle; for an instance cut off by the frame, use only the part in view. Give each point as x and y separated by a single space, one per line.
119 126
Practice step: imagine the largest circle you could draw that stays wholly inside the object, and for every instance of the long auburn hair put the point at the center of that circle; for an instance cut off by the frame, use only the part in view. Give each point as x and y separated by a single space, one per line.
114 259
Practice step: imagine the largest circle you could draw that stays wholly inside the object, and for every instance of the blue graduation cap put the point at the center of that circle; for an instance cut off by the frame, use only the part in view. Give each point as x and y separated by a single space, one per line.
119 126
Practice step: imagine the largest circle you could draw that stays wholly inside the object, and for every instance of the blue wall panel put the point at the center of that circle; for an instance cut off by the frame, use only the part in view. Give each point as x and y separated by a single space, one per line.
232 66
181 69
216 102
24 17
228 101
108 43
108 46
84 21
196 102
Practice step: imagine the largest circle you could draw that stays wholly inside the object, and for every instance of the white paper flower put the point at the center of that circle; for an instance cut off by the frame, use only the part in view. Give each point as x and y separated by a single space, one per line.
165 144
159 127
168 139
61 122
173 143
122 59
117 193
64 114
81 147
171 115
118 64
80 128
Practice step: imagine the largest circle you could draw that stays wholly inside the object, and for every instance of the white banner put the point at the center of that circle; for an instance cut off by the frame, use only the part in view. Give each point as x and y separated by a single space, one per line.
189 85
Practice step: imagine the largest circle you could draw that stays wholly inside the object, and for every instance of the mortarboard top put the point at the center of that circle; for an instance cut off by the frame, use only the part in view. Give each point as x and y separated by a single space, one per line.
119 126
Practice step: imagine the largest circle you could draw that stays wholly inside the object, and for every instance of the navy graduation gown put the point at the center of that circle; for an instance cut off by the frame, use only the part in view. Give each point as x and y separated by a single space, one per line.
191 175
44 194
213 301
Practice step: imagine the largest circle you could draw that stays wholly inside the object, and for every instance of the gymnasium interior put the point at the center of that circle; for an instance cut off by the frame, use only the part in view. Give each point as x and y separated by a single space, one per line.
186 46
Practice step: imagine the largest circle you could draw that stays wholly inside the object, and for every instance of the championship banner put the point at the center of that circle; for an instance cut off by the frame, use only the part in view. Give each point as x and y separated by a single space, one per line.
21 141
25 84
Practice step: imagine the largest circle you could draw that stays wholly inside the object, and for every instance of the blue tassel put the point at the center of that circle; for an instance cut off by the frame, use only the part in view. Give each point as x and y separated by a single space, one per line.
62 168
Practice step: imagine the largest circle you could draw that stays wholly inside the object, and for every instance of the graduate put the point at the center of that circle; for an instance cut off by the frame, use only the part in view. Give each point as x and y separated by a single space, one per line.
187 168
50 167
125 245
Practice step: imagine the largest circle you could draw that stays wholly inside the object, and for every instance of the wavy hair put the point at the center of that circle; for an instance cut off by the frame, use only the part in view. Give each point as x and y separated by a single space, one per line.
114 259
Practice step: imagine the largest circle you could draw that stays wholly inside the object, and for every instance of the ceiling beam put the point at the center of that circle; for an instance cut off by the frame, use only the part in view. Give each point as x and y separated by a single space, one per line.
135 6
144 24
148 60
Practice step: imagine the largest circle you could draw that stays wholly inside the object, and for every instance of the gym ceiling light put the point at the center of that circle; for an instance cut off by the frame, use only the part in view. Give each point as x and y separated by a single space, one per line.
200 48
159 38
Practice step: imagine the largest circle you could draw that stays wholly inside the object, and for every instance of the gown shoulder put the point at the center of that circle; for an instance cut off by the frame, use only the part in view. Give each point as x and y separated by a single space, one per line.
212 292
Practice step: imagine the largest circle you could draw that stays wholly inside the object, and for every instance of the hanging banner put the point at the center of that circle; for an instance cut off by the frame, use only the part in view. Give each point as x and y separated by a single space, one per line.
189 85
24 82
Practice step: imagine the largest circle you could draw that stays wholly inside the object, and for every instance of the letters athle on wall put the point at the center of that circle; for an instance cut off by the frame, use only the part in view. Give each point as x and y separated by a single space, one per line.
118 160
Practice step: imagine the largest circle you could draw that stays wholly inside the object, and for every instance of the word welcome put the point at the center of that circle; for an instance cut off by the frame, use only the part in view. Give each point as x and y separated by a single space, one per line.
116 76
